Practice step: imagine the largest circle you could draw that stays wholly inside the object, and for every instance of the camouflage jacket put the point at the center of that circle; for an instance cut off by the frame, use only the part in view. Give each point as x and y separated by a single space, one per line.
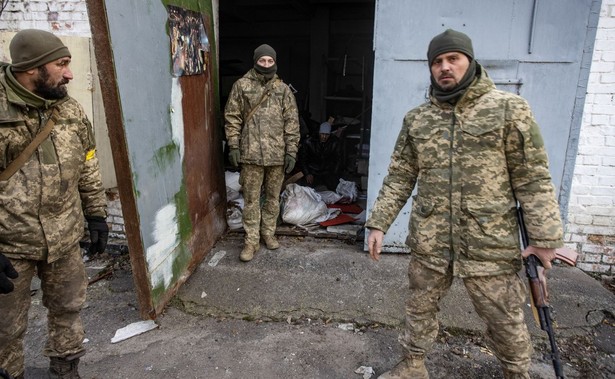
469 163
272 131
42 205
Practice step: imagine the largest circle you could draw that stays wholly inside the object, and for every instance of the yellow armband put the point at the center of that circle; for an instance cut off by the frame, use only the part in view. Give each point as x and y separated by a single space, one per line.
90 154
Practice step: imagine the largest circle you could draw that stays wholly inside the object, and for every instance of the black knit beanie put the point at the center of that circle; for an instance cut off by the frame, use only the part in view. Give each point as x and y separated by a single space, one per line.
263 50
31 48
450 40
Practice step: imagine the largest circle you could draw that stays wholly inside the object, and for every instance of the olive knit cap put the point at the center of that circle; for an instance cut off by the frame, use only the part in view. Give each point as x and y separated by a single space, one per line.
263 50
449 40
32 48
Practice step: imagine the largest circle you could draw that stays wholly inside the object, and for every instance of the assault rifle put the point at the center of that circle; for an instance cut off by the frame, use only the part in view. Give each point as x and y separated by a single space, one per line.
539 294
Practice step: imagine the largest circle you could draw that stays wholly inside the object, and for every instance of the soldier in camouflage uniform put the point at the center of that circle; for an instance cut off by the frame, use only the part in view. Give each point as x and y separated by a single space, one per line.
262 130
42 205
472 151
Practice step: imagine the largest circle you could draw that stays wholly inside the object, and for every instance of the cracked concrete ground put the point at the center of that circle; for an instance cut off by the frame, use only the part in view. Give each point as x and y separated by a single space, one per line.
315 308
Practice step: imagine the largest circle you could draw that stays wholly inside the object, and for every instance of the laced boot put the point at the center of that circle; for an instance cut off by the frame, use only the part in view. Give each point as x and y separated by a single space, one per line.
412 367
248 253
62 368
271 242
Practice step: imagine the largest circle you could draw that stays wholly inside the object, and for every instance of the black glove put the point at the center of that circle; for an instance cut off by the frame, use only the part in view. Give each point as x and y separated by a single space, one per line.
6 271
99 233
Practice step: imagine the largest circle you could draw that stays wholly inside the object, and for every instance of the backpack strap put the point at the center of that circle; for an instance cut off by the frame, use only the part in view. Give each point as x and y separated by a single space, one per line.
18 162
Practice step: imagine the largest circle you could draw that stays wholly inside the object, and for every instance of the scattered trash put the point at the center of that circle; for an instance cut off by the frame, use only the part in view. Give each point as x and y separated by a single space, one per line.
348 190
349 327
203 295
366 371
133 329
86 340
289 319
216 258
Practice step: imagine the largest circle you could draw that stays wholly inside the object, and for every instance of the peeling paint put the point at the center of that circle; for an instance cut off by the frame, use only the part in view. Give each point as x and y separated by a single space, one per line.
167 239
177 116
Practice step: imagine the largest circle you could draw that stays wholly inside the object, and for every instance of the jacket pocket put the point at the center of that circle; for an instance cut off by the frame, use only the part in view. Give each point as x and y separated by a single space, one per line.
428 229
489 231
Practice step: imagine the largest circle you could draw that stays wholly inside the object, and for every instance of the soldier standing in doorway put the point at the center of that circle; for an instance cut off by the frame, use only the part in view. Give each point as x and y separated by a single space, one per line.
262 130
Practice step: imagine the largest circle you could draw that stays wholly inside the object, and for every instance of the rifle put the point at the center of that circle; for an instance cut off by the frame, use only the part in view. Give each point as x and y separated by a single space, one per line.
538 292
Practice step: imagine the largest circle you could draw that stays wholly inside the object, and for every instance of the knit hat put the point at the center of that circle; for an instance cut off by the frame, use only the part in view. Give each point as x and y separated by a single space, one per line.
263 50
325 128
32 48
450 40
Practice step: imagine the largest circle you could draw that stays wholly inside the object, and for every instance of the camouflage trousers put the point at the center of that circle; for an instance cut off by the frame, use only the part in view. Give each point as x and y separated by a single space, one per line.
259 220
497 299
63 284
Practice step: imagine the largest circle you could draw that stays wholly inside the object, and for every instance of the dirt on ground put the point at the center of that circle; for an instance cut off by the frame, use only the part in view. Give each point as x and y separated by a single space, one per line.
191 346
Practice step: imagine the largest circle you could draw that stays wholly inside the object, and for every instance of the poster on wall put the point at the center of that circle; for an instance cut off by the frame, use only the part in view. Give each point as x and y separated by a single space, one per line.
189 41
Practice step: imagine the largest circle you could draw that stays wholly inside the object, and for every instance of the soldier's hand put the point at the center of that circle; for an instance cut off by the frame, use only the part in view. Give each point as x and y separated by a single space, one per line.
7 272
233 156
545 255
289 163
374 243
99 234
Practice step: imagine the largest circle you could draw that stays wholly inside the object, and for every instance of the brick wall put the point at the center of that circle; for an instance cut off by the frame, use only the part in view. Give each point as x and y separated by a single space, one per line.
591 218
64 17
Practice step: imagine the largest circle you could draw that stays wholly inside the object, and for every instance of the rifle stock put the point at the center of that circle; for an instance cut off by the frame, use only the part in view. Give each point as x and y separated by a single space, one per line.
538 298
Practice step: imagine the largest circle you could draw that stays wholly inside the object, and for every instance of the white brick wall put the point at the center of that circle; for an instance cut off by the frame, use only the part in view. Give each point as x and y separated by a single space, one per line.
591 217
64 17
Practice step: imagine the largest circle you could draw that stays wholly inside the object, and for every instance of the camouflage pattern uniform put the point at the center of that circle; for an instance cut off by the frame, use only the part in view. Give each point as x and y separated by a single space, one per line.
469 162
42 210
270 134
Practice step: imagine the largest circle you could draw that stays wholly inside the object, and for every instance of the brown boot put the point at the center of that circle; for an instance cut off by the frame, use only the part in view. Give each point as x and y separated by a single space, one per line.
62 368
409 368
247 253
271 242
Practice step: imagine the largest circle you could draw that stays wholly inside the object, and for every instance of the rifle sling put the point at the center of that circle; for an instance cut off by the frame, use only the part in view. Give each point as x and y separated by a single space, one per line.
18 162
260 101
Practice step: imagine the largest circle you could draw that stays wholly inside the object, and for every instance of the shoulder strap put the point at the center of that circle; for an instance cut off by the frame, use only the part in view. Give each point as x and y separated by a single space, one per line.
266 93
18 162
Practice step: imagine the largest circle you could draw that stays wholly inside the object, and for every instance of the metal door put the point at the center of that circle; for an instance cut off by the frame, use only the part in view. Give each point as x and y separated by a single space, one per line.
539 49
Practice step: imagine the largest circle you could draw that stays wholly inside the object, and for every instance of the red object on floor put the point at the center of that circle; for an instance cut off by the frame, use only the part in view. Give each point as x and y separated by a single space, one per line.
341 219
347 208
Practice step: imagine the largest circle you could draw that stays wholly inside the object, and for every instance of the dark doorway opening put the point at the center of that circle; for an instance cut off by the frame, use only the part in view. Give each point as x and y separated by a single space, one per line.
324 51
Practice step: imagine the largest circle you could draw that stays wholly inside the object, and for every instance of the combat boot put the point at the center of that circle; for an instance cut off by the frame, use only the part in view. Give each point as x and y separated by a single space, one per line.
271 242
62 368
248 253
412 367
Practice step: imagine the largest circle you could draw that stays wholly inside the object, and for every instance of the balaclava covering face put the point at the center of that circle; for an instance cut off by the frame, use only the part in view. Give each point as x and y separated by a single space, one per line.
446 42
261 51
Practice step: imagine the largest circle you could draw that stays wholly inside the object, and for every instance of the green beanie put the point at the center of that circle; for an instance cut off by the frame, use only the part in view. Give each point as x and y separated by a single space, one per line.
31 48
450 40
263 50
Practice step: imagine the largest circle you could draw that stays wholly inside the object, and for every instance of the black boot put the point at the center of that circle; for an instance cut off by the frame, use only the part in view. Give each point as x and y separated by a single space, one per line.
62 368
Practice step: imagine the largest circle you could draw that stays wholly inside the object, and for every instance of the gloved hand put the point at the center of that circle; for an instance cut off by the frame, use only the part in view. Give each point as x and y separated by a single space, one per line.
99 233
233 156
289 163
6 271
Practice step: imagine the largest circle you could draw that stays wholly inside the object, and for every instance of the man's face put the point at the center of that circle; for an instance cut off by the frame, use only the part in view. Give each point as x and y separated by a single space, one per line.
265 61
449 68
52 78
324 137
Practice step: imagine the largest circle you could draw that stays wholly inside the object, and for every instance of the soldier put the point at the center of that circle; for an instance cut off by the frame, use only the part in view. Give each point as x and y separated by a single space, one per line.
472 152
262 130
46 188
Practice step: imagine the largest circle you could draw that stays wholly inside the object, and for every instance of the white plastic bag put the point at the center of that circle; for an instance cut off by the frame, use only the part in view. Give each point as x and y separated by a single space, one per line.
330 197
348 190
302 206
232 185
234 215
